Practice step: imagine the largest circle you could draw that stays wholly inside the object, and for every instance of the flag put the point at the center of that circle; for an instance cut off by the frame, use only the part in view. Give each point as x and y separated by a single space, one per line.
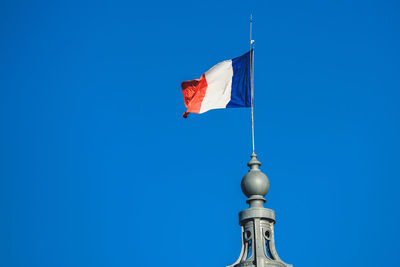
226 85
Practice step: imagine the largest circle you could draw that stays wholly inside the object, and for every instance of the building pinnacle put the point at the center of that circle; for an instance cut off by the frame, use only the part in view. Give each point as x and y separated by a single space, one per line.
257 222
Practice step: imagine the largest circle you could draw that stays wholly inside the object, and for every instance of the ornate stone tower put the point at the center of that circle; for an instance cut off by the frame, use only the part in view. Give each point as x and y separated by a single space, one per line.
257 222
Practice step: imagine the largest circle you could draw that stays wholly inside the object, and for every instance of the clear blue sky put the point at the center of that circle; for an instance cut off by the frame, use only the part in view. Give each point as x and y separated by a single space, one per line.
98 168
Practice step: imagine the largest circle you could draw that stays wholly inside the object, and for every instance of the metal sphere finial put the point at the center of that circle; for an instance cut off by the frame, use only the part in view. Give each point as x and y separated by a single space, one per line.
255 182
257 222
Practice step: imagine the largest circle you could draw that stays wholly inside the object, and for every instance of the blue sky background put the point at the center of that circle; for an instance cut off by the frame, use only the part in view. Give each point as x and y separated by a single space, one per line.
98 168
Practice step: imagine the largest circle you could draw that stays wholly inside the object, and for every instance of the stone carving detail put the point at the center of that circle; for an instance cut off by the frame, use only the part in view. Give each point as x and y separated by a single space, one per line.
257 222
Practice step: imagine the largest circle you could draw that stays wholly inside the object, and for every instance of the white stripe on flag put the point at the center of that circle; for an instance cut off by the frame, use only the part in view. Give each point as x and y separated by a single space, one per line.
219 86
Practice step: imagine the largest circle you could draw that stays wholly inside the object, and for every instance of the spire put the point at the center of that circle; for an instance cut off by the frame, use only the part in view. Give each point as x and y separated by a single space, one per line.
257 222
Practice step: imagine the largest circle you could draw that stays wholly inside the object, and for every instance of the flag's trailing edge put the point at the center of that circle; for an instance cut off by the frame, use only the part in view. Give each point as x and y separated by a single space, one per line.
226 85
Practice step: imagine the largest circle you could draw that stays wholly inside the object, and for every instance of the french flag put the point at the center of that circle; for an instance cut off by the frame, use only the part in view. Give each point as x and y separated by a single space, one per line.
226 85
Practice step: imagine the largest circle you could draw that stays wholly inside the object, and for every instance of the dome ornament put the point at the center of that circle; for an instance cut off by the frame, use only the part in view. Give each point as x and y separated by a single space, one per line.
255 183
257 222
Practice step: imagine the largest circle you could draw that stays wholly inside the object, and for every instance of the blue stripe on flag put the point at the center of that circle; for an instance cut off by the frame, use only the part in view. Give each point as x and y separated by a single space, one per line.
241 94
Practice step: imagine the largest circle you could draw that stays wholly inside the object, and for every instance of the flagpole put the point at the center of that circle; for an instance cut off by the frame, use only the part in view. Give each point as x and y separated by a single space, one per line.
251 80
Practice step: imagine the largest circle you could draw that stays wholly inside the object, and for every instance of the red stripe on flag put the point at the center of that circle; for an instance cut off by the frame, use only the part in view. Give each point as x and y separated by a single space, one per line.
193 93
